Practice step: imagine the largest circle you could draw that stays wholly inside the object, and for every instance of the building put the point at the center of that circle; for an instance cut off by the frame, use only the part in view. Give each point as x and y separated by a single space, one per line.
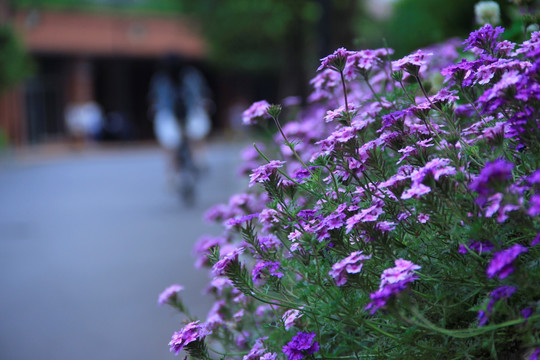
106 57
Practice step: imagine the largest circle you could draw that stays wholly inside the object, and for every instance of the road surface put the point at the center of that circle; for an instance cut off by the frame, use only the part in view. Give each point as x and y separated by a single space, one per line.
87 242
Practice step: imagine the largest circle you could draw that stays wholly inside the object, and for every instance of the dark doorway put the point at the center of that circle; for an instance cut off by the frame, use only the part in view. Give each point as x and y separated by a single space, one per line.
121 88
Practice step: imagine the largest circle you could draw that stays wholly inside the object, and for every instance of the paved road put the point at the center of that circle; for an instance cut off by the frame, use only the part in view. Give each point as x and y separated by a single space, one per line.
87 242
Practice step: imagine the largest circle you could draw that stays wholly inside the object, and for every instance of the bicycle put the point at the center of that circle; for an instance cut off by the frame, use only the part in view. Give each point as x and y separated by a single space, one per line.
188 174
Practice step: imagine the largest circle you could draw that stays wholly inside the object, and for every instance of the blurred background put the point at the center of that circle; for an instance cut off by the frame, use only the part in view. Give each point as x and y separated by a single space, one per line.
90 232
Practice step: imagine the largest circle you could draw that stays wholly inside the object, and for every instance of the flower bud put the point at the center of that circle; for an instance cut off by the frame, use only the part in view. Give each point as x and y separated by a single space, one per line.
397 75
274 111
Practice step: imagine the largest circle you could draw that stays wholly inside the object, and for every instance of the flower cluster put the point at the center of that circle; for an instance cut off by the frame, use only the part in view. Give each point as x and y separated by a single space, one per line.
256 113
352 264
189 334
301 345
393 281
399 214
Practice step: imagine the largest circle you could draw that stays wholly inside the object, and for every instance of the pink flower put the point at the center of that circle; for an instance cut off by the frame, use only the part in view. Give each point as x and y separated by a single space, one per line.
423 218
416 191
169 294
403 270
412 63
257 350
256 112
336 60
352 264
220 267
262 173
290 317
393 281
188 334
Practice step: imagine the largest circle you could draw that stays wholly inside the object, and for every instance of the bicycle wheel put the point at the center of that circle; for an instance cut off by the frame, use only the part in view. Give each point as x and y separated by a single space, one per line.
186 187
187 179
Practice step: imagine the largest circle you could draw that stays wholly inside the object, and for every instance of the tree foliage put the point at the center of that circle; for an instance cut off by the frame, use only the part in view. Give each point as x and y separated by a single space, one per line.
15 64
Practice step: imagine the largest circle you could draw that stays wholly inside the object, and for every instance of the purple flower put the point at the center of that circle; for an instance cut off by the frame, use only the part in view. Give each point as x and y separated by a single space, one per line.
339 113
534 205
462 73
257 350
536 240
301 344
503 292
423 218
437 167
501 264
530 45
444 96
269 356
219 283
527 312
268 217
263 172
484 38
336 219
323 83
256 112
301 173
363 61
505 47
412 63
385 226
535 177
237 221
352 264
216 212
406 151
241 339
393 281
403 271
480 246
169 294
237 316
290 317
336 60
370 214
220 267
188 334
416 191
202 248
493 98
535 355
272 266
269 242
493 173
215 315
262 310
382 296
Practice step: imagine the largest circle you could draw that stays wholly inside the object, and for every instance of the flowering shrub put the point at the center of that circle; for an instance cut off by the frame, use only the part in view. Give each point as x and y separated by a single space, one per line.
400 221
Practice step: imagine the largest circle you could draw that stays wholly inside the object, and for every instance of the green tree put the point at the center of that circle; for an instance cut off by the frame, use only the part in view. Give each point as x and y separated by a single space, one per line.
15 63
279 37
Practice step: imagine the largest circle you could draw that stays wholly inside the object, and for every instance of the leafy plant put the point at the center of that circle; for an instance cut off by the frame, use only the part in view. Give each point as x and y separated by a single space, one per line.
401 221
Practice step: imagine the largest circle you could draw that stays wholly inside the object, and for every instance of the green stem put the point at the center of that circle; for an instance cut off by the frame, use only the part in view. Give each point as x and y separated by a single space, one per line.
468 333
345 96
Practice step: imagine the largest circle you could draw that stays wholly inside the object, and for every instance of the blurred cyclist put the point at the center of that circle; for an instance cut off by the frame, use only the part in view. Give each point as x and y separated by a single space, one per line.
179 102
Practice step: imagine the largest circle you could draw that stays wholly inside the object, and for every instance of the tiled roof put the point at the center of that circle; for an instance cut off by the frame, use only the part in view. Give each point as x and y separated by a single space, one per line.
77 33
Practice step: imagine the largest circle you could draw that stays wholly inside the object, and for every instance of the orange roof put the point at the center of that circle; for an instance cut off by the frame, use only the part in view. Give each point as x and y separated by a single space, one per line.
77 33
